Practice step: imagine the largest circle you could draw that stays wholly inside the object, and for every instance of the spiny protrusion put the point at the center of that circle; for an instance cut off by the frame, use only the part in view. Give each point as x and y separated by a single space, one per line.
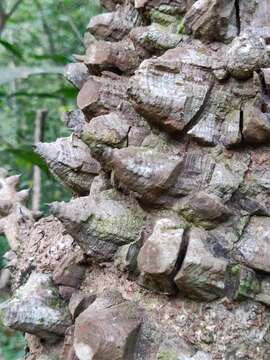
102 223
70 160
145 171
100 95
15 219
115 25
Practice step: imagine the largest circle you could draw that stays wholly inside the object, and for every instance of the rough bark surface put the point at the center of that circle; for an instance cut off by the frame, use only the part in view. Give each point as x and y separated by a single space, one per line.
164 252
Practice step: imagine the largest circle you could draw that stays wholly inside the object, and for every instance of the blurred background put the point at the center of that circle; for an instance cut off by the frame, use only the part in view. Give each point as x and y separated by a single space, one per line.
37 39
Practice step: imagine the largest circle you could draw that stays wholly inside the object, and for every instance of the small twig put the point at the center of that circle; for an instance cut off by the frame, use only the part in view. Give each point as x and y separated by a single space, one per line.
5 16
46 27
71 23
39 133
14 8
2 10
75 30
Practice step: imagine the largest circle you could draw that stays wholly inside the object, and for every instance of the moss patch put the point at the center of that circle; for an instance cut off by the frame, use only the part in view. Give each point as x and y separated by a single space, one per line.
167 355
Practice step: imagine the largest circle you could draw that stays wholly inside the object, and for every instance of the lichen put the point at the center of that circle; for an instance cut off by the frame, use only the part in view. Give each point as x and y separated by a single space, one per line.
236 269
167 355
181 26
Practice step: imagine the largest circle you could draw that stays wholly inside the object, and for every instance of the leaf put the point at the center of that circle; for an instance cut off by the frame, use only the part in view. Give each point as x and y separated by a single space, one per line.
26 153
12 48
23 72
68 92
30 94
57 58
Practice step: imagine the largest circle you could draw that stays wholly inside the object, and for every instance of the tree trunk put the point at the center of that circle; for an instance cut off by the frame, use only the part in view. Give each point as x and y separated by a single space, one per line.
169 165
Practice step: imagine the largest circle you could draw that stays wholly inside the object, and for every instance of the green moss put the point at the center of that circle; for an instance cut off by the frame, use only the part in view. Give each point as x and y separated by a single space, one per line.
167 355
181 26
243 281
162 18
235 270
56 303
249 287
123 225
167 9
196 220
175 23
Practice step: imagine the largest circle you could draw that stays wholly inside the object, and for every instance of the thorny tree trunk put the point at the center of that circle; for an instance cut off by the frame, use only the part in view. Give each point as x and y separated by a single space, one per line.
163 252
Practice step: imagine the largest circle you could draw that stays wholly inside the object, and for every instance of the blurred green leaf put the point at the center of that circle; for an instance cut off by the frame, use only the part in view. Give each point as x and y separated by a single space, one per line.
23 72
4 247
66 92
27 154
12 49
31 95
57 58
12 343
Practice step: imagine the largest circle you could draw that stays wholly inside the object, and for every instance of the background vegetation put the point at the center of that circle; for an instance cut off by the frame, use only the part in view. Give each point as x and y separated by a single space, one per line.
36 36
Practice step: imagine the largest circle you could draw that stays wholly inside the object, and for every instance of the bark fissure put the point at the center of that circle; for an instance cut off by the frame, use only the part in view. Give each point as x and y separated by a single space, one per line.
182 253
241 123
198 116
238 16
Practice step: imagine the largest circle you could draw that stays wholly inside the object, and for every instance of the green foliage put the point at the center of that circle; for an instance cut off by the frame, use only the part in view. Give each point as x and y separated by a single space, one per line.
12 344
8 46
65 92
23 72
39 39
57 58
3 249
167 355
25 155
